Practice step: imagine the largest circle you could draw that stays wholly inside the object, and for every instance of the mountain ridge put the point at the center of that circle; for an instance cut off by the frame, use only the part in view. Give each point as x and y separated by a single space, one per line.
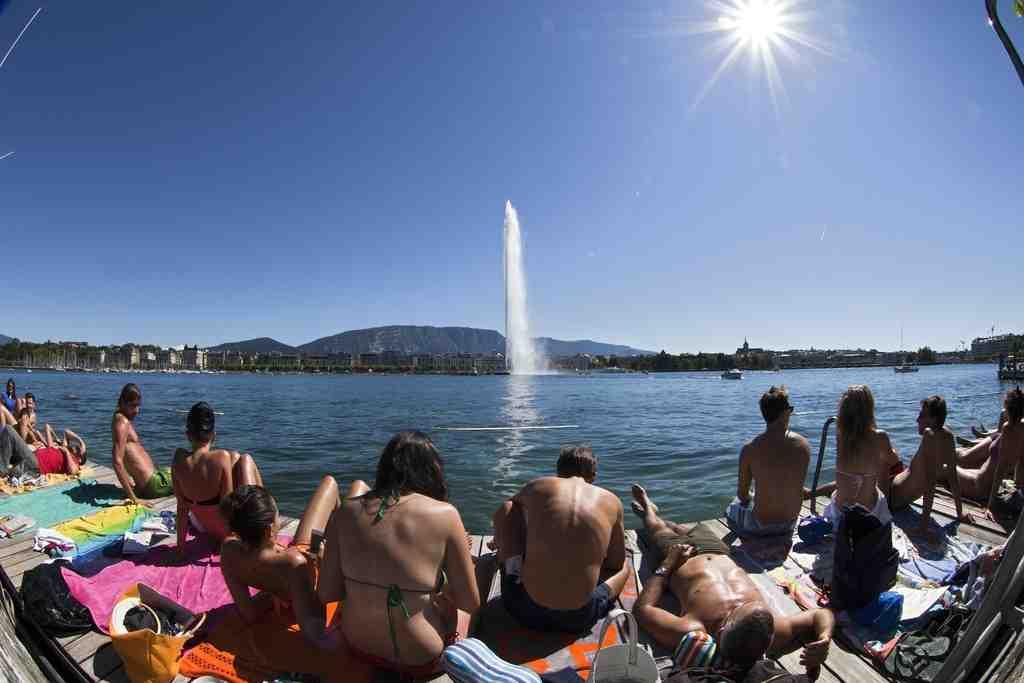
427 339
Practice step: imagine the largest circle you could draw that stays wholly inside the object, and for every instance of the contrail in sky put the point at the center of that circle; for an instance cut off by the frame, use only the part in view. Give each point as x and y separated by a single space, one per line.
823 234
15 43
9 154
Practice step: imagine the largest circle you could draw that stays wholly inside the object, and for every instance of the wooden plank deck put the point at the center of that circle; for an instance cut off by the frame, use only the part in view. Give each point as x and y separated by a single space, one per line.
97 658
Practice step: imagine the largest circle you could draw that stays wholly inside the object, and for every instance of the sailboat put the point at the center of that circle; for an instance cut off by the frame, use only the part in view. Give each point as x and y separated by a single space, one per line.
903 367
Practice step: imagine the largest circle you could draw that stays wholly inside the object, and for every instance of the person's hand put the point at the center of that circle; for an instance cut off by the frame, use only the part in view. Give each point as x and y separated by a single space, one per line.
967 518
814 654
678 554
144 503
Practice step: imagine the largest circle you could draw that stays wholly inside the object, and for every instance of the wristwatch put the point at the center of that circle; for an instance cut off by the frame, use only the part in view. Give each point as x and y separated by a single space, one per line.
661 571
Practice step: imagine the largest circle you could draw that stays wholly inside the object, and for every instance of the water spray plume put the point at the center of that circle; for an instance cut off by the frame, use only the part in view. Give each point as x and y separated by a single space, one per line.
521 356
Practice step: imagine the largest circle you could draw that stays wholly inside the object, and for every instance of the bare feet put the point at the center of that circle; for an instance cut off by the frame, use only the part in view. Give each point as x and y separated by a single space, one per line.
642 502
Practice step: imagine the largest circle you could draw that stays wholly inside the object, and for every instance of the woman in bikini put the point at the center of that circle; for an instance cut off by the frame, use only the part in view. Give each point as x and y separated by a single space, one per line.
865 458
287 576
981 469
204 475
397 553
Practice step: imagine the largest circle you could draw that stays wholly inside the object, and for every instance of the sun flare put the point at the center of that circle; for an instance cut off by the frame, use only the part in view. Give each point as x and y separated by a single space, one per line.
764 31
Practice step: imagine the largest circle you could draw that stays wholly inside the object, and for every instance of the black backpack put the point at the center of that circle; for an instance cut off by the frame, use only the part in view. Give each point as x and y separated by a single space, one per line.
865 564
919 655
48 602
763 671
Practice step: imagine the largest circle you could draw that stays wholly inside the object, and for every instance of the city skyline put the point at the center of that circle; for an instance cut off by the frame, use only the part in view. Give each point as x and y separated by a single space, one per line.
343 167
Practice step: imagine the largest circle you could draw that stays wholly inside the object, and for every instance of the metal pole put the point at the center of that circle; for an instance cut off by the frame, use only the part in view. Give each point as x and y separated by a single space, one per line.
817 468
993 19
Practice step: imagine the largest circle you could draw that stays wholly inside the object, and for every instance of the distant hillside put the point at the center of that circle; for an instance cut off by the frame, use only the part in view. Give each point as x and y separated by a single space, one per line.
409 339
426 339
260 345
557 347
4 339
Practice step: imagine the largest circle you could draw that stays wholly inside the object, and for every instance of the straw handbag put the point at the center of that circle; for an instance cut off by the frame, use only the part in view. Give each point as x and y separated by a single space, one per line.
151 656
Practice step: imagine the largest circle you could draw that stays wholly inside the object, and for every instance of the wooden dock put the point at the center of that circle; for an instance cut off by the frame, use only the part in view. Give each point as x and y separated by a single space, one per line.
95 656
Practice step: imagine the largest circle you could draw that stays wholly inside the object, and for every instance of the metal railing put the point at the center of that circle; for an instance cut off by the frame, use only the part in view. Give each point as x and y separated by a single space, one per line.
817 468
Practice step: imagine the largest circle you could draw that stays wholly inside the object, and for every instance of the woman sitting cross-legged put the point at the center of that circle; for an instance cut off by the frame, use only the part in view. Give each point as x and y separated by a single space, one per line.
398 555
252 557
204 475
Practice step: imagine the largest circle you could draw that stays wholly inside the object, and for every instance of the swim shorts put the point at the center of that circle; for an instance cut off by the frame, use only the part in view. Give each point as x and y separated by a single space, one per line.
744 522
158 486
701 537
540 618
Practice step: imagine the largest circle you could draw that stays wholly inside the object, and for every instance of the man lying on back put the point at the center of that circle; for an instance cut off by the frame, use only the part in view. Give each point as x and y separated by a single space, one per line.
775 461
556 538
724 621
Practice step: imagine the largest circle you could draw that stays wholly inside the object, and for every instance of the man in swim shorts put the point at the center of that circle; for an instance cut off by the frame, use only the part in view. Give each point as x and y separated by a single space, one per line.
776 462
561 548
139 477
724 620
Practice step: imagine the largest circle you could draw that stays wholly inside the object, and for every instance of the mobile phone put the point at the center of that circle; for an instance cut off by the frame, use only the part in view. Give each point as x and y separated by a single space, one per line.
316 539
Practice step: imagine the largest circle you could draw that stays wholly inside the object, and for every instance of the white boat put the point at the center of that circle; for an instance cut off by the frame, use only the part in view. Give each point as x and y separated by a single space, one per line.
905 368
732 374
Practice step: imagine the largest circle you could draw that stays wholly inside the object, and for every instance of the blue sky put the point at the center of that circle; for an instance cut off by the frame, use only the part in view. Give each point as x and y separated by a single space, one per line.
205 172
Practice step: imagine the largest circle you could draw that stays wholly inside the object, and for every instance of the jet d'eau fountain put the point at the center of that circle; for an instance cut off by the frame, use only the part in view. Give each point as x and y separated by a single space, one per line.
521 355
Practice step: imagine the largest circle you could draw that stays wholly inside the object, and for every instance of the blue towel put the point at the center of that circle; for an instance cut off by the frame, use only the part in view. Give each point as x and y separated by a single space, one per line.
54 504
881 615
471 661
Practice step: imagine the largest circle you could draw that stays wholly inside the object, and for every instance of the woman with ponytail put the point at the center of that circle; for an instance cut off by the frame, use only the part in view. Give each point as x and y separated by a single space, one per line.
287 575
399 556
202 476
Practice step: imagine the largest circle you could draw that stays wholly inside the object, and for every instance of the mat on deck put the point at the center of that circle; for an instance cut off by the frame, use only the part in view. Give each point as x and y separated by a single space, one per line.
192 579
555 656
236 651
54 504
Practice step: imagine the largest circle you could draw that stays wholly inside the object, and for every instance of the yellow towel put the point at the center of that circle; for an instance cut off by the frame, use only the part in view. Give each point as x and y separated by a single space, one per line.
51 479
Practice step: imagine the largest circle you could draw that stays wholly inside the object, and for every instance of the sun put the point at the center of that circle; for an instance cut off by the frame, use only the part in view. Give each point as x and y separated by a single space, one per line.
757 20
765 31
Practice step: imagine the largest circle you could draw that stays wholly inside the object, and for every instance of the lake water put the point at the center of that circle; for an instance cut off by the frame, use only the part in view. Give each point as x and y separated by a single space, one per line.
679 434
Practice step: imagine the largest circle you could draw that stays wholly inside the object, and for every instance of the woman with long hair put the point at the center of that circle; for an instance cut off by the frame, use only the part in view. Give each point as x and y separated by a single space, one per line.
865 458
287 575
398 555
203 475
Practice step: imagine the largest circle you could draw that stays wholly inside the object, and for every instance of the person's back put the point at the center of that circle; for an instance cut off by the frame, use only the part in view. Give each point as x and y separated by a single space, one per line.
864 454
775 462
778 465
404 548
385 552
569 525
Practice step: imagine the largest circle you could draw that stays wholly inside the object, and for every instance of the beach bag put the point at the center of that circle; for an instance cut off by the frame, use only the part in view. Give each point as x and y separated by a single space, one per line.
918 655
865 564
48 602
627 663
151 654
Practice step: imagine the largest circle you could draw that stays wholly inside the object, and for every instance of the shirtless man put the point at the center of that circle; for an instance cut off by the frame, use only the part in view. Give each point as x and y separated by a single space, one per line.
568 518
723 616
776 460
935 455
132 464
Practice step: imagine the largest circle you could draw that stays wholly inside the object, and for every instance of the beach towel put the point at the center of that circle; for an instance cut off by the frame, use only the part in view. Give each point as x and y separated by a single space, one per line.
54 504
17 486
192 579
238 651
94 531
555 656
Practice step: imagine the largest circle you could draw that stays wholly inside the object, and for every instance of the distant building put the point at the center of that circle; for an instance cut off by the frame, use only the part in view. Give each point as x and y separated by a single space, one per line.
1000 344
129 357
168 359
193 358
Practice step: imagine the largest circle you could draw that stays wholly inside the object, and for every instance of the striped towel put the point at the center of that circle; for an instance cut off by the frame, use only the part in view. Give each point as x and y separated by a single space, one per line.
695 649
471 661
